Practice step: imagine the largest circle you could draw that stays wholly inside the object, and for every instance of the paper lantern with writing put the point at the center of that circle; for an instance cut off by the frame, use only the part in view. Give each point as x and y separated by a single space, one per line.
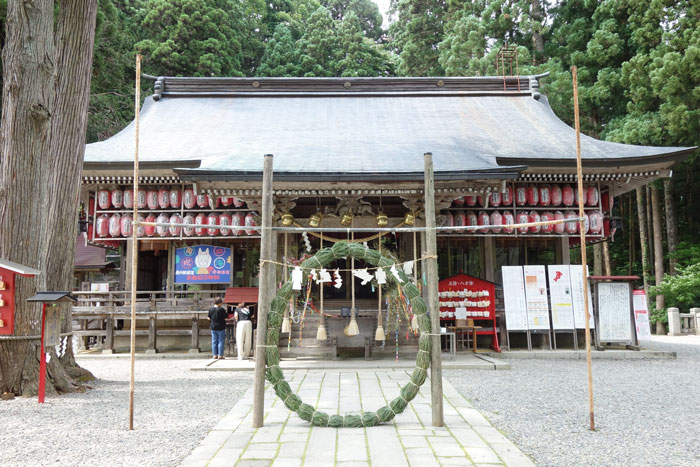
104 199
460 220
226 201
238 203
117 198
545 195
592 196
545 217
533 195
150 230
534 216
250 222
595 220
237 220
555 195
522 218
483 220
152 199
520 195
163 198
508 219
567 195
129 198
472 220
173 229
213 219
458 201
495 200
188 219
496 219
140 229
102 225
225 219
571 227
126 226
507 196
559 228
200 219
115 229
175 198
470 200
141 196
202 201
189 199
161 230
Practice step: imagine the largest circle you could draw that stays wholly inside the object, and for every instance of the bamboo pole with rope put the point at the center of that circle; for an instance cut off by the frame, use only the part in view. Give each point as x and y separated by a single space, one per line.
321 334
582 231
134 242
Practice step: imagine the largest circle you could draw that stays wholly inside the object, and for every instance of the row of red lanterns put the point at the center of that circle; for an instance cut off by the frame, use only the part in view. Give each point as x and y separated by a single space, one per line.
536 195
118 225
593 222
162 198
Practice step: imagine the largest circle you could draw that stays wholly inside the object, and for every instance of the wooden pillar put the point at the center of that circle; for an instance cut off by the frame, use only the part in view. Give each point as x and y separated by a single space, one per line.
489 259
194 348
561 250
152 330
264 294
109 336
171 271
597 259
658 244
607 270
433 305
127 265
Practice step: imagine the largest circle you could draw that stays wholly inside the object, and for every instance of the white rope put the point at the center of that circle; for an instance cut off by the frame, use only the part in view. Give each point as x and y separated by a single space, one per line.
30 338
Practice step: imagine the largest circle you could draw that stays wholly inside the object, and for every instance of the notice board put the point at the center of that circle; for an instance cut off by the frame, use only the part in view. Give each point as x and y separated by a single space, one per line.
536 296
576 277
560 296
614 313
514 300
202 264
641 314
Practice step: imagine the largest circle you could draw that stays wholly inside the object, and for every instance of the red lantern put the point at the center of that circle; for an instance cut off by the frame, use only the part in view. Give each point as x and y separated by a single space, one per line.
213 219
250 222
129 198
225 219
126 226
115 225
496 219
200 219
117 198
103 199
571 227
596 222
545 195
189 199
495 200
150 230
523 218
161 230
483 220
188 219
238 203
472 220
237 220
567 195
592 196
481 200
460 219
140 230
102 226
141 199
546 217
175 230
175 198
555 195
508 219
163 198
152 199
507 197
459 201
559 228
533 195
470 200
202 201
226 201
520 195
534 216
605 202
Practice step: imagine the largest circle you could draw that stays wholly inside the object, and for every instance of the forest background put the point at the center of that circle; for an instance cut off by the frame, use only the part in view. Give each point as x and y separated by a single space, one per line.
638 69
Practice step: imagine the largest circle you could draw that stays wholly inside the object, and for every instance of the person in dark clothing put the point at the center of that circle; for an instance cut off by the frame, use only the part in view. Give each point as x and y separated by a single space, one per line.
217 319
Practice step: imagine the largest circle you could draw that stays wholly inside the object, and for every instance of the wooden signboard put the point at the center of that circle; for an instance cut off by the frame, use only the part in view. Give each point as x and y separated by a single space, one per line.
614 312
52 327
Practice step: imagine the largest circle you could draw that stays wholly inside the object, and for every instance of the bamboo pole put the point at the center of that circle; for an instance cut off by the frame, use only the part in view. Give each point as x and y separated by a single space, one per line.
579 173
433 305
264 294
134 242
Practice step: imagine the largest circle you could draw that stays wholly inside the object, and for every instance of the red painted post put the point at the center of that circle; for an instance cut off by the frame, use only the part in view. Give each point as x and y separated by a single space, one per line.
42 358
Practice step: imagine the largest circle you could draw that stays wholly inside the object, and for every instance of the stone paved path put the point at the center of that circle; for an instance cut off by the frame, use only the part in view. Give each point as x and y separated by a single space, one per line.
467 438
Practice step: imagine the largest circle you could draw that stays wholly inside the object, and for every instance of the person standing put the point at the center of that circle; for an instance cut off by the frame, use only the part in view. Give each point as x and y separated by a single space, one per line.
217 320
244 330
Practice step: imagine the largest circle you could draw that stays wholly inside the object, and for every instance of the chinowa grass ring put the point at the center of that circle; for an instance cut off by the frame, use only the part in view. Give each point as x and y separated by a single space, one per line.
273 372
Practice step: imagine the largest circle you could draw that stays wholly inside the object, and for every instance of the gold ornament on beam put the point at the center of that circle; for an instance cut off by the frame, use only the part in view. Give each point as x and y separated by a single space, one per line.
346 218
382 219
287 219
315 219
409 219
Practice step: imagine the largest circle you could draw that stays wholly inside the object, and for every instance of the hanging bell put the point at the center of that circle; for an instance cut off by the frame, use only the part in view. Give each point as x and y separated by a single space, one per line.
287 219
315 219
346 218
409 218
382 219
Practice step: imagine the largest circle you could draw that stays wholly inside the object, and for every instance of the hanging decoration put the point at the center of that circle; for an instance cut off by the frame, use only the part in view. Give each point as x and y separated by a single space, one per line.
380 275
338 280
363 274
305 236
408 267
297 277
395 273
323 277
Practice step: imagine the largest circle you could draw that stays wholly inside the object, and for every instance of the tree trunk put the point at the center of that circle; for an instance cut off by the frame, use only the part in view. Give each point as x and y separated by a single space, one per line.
607 270
641 213
28 102
658 244
631 244
671 226
537 16
650 228
597 259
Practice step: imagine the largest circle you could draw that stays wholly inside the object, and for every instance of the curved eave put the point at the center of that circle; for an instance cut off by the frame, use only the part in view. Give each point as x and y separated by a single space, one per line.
668 158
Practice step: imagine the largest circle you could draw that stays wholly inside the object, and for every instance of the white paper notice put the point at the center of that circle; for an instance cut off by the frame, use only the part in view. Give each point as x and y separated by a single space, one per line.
514 300
641 314
576 277
560 296
536 295
614 312
460 313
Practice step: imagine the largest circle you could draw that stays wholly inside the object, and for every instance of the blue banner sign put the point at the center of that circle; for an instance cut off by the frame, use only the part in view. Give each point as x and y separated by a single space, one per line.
202 264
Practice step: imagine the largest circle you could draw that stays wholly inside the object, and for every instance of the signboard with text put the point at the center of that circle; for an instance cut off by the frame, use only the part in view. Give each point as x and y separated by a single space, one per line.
202 264
641 314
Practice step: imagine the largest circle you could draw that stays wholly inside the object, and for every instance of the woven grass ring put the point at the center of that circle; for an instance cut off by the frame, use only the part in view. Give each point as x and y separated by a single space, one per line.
273 372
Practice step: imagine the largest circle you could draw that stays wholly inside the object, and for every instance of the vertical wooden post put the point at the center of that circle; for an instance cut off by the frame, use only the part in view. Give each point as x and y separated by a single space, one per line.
194 346
264 293
134 241
109 336
579 173
489 259
658 244
433 305
152 331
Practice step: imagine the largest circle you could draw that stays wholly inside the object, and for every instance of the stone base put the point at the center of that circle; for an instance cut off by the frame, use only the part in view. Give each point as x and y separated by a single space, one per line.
107 351
151 351
193 351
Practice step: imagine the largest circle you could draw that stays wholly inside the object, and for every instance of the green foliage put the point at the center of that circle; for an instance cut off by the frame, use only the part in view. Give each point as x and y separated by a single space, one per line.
366 11
682 290
280 57
416 36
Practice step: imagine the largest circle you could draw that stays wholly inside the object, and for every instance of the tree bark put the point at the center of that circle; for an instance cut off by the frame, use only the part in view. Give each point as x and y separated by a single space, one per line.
631 244
671 225
597 259
650 228
537 16
641 213
607 269
658 244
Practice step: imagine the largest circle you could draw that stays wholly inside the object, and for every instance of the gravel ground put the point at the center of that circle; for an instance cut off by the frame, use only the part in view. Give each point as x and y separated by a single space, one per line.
647 411
174 408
